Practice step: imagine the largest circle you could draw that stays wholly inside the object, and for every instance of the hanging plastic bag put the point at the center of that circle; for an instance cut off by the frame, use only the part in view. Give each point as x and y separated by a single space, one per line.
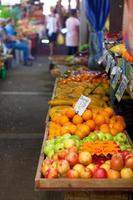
60 39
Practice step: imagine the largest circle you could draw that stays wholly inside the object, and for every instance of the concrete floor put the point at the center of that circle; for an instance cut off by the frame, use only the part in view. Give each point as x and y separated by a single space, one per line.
23 108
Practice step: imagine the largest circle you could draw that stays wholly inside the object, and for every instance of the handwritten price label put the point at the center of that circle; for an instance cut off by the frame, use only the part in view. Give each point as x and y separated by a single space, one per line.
122 87
116 78
82 104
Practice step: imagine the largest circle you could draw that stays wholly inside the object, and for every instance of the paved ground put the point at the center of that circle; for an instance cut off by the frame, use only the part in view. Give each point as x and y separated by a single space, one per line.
23 108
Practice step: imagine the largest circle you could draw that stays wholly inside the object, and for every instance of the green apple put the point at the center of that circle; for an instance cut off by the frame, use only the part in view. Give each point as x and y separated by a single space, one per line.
120 137
66 136
48 142
101 135
50 154
77 143
58 147
48 148
68 143
75 137
93 136
108 137
59 140
123 147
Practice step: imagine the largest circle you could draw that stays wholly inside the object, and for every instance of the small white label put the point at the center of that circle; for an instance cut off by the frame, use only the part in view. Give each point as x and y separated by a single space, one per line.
116 78
122 87
114 70
102 58
108 65
82 104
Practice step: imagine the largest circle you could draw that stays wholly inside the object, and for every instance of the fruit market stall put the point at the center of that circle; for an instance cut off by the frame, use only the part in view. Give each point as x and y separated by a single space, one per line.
85 144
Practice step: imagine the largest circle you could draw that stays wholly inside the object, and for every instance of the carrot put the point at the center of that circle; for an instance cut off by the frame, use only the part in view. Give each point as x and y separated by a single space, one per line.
100 147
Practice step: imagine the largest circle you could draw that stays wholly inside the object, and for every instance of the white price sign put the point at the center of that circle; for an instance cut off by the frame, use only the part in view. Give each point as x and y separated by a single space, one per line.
82 104
108 65
116 78
102 58
122 87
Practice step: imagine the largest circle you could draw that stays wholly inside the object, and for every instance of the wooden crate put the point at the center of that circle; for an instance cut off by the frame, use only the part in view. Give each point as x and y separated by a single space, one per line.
77 184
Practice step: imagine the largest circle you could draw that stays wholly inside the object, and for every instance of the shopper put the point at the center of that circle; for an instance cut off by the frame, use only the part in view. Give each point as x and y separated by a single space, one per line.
52 27
72 35
11 43
11 32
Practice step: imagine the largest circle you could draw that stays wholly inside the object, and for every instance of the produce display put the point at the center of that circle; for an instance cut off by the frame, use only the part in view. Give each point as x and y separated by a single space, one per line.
121 50
91 145
92 84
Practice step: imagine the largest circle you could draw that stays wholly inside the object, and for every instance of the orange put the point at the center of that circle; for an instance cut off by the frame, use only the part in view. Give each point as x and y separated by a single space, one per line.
109 111
105 128
106 119
80 134
63 120
84 128
91 124
119 126
77 119
87 115
72 128
99 120
64 130
113 131
70 112
56 118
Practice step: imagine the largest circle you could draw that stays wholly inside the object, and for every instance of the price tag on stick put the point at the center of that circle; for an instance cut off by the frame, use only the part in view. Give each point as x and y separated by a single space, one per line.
122 87
116 78
82 104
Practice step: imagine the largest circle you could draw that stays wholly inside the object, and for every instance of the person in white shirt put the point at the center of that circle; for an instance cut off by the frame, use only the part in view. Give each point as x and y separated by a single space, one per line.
52 26
72 35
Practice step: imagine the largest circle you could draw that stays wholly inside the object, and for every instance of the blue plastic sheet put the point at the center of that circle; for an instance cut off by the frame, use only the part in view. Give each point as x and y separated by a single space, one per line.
96 12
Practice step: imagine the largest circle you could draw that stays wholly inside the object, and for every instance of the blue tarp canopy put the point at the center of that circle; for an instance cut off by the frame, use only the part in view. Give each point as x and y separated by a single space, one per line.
96 13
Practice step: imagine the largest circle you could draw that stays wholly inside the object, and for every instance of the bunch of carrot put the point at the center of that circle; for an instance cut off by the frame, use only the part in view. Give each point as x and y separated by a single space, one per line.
100 147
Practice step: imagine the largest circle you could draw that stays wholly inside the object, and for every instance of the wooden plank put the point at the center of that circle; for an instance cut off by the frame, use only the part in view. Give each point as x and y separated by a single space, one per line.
53 95
85 184
102 195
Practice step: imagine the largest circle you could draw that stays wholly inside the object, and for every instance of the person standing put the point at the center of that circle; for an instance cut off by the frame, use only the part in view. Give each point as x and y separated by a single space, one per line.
72 35
52 26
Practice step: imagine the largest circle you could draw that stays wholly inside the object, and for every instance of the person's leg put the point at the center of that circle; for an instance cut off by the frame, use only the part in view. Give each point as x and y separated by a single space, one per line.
69 50
74 50
51 48
24 47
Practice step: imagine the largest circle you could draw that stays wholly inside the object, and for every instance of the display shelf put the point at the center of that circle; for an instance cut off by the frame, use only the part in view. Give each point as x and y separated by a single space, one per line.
67 184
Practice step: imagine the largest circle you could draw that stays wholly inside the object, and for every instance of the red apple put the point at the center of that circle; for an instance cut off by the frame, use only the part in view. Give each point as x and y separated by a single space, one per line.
126 173
85 158
54 164
72 174
62 154
113 174
51 173
63 166
86 173
108 162
129 162
105 166
72 158
100 173
55 156
78 167
124 153
92 167
73 149
129 155
117 162
47 163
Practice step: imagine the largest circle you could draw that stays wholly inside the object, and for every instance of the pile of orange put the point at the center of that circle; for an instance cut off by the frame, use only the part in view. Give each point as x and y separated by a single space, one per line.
68 121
